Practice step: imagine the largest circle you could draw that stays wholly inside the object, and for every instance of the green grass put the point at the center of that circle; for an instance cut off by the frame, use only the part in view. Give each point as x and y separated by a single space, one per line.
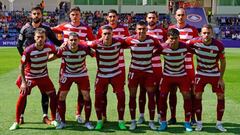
10 59
33 115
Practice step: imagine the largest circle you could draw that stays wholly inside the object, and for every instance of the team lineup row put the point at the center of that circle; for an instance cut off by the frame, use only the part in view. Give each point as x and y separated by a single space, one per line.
177 46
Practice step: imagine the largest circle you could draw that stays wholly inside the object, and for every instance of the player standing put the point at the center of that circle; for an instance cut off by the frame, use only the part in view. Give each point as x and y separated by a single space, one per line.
187 32
174 75
26 38
109 72
34 72
119 31
159 33
74 70
85 33
209 52
141 71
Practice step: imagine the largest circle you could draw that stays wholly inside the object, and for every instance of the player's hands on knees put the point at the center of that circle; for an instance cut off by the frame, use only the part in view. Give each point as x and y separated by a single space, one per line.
23 88
221 83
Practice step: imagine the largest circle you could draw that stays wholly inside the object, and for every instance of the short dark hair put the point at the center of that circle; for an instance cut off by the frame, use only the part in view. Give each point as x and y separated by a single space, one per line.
75 9
141 23
36 8
107 27
152 12
40 31
173 32
113 11
73 34
208 26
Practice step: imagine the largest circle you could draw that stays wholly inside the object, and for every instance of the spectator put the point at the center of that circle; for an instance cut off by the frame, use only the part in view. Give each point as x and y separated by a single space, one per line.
235 36
238 37
216 31
5 34
209 14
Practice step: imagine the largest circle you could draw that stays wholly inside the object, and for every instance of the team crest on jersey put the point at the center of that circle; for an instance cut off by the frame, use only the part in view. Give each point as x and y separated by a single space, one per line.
194 18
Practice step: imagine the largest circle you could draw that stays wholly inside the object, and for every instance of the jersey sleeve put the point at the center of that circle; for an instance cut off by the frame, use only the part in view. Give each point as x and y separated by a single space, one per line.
90 35
58 28
127 42
221 50
52 37
164 35
126 32
195 32
92 44
190 46
25 58
20 41
99 34
89 51
158 47
53 49
60 52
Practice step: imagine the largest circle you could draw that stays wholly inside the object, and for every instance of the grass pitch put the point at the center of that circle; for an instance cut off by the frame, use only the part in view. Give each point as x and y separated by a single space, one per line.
33 116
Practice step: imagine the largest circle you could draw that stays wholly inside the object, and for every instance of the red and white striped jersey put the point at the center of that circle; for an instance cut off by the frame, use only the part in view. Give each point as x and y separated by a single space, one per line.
107 57
119 32
186 33
75 65
36 61
174 64
142 53
207 56
160 34
84 31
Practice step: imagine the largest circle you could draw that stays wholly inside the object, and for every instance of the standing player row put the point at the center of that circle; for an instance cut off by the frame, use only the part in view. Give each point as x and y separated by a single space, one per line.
141 61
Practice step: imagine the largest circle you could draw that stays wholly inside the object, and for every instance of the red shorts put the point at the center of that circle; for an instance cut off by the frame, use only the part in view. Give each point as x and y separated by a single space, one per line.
117 83
82 82
123 73
202 81
168 82
191 74
142 78
157 74
44 84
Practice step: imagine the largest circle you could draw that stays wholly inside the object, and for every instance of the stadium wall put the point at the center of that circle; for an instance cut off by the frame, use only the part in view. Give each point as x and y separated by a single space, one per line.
228 10
52 4
124 8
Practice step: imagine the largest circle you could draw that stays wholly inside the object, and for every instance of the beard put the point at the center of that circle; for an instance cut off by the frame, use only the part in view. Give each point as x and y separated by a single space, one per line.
36 20
151 23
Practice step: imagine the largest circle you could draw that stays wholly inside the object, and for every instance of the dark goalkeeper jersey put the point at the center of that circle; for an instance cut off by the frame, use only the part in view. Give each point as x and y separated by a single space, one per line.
26 36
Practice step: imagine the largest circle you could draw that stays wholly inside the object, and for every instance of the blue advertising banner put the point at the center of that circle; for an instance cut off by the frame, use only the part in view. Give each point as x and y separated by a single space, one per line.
196 17
4 43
